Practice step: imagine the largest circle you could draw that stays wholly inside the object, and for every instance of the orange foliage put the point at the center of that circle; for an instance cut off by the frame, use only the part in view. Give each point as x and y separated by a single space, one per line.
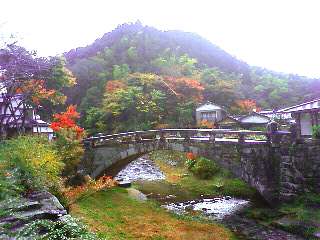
72 194
66 120
191 156
37 90
185 87
206 124
246 106
114 85
162 126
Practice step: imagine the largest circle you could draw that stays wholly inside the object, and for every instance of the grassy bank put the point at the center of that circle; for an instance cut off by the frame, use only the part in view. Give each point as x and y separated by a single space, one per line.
112 214
173 165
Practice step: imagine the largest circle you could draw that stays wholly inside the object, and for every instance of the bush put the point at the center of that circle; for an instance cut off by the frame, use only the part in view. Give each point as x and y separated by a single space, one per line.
69 228
204 168
33 161
70 149
316 132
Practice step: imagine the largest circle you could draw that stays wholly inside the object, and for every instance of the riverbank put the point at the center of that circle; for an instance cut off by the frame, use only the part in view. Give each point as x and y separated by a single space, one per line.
194 206
114 215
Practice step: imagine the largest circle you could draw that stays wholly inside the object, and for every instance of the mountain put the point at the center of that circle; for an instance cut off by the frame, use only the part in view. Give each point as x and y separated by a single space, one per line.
133 49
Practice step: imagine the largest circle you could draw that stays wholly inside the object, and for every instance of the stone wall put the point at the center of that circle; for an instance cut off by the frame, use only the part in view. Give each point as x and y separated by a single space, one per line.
299 170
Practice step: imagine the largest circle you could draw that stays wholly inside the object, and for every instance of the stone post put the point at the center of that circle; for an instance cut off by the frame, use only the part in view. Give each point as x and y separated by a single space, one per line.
187 136
293 132
212 137
297 117
272 129
137 137
241 138
162 142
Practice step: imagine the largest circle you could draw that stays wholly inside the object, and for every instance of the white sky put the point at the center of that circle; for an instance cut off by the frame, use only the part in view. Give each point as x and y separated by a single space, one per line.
281 35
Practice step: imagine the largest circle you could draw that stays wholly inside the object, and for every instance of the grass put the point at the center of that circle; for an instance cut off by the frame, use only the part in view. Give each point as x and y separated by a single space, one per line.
112 214
173 165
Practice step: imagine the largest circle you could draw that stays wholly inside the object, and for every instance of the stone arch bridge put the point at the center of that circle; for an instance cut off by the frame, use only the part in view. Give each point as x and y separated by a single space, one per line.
273 163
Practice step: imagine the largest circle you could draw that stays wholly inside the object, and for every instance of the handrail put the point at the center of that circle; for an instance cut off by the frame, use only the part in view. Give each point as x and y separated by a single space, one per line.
188 135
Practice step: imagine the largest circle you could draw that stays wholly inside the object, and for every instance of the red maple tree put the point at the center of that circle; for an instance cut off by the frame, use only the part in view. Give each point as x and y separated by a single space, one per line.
67 120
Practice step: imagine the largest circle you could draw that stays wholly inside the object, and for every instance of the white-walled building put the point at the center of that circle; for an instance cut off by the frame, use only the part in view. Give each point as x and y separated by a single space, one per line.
210 112
15 114
306 116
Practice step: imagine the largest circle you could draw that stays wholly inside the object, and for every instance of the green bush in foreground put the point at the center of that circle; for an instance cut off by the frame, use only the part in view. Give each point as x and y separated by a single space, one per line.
203 168
31 162
69 228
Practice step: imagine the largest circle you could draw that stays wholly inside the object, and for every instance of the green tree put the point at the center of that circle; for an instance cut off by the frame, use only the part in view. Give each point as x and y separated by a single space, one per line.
120 72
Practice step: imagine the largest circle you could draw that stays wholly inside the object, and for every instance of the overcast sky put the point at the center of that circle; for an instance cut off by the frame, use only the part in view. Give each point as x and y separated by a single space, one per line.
282 35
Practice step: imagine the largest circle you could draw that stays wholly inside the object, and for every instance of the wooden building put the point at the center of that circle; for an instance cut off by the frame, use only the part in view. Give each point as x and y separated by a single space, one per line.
229 122
16 116
210 112
306 116
253 119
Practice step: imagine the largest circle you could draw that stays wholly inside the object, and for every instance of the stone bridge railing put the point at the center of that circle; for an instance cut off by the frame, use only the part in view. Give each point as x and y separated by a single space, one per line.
224 136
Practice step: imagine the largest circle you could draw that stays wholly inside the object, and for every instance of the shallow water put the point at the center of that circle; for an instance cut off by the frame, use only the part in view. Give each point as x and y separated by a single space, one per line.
213 208
143 170
140 169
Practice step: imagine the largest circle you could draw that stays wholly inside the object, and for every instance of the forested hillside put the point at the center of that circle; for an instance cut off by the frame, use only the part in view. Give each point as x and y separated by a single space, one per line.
137 77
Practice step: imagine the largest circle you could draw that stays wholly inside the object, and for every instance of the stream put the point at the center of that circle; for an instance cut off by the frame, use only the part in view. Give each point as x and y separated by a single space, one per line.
224 209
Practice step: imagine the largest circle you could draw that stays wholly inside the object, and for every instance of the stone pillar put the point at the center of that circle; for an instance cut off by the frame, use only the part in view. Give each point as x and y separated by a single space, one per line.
273 137
294 133
297 117
212 137
162 142
241 138
137 137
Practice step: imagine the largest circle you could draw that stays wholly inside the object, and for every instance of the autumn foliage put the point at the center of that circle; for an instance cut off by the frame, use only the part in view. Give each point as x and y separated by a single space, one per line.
66 120
191 156
245 106
206 124
69 136
114 85
186 88
90 187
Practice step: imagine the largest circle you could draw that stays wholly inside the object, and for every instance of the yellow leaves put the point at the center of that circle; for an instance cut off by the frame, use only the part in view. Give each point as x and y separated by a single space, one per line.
71 79
36 158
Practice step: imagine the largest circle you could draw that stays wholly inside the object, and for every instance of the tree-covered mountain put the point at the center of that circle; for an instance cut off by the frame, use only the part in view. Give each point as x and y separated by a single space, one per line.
138 77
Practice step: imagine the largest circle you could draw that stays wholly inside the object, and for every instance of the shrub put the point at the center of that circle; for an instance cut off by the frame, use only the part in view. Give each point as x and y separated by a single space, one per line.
191 160
31 160
204 168
316 132
69 228
10 184
74 193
